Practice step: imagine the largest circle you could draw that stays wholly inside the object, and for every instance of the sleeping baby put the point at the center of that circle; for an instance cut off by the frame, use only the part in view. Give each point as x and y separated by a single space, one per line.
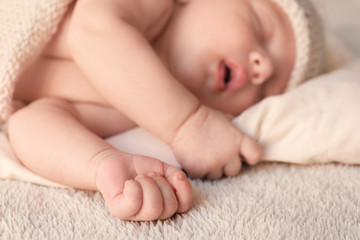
180 69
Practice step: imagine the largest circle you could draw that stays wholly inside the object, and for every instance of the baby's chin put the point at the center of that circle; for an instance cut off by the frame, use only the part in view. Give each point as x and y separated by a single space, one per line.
233 110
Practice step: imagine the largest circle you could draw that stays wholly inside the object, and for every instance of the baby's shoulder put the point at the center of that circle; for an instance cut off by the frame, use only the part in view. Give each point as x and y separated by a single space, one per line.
147 17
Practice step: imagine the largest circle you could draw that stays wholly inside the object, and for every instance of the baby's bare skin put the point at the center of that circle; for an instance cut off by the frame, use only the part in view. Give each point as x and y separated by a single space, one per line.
99 78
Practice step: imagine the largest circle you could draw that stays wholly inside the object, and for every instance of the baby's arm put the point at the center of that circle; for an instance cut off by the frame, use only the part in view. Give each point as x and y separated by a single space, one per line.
108 41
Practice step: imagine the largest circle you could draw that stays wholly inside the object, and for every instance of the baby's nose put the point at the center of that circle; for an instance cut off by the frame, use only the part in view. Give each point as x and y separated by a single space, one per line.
261 67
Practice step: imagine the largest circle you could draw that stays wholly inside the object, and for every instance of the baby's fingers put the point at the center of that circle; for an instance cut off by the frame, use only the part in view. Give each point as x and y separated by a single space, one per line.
232 168
250 150
182 187
152 202
214 174
128 203
170 204
140 201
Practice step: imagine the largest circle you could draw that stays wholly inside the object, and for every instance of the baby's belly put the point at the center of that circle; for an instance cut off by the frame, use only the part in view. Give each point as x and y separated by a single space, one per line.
55 77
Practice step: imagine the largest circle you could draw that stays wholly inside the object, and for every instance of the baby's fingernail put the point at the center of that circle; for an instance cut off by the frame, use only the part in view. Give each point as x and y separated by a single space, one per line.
181 176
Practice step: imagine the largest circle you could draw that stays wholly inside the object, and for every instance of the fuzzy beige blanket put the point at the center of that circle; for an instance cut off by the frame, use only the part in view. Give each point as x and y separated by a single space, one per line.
271 200
25 28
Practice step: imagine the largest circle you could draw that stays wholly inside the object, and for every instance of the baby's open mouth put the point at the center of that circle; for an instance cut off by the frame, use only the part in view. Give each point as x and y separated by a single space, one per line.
230 76
227 76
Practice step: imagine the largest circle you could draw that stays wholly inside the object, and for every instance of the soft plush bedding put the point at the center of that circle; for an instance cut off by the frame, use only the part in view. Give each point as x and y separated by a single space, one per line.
315 123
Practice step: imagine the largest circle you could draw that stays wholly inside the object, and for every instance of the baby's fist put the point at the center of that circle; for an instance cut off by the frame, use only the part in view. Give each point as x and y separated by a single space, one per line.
209 145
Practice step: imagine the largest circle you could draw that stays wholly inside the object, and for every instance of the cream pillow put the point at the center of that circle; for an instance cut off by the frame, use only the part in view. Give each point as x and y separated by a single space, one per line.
317 122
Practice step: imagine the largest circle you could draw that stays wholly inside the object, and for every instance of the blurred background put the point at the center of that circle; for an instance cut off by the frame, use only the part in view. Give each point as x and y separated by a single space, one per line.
342 19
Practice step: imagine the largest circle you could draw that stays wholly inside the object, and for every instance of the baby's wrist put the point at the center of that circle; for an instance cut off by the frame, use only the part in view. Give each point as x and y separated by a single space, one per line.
193 121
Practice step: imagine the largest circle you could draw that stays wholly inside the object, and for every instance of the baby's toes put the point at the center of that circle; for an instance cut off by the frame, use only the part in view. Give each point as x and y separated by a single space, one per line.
181 186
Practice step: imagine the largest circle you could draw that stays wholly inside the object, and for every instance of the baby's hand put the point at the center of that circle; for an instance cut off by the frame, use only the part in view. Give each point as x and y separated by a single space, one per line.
209 145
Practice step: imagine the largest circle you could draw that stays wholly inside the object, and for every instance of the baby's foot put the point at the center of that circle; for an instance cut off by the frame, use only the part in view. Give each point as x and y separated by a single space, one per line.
140 188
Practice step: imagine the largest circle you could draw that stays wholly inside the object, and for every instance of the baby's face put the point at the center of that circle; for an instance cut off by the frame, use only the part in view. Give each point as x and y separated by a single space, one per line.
230 53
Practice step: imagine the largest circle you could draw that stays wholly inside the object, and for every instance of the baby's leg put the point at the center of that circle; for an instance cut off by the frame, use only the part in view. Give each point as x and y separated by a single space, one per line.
50 140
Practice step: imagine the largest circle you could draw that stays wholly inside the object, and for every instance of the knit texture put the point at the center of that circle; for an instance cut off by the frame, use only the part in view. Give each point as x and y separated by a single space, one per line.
309 37
25 27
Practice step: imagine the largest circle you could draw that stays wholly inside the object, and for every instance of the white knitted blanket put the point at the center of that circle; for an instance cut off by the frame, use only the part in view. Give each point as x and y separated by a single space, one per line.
25 27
